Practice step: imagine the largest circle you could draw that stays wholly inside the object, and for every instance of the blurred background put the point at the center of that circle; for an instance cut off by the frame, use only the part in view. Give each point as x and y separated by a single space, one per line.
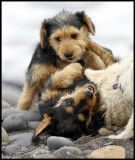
21 23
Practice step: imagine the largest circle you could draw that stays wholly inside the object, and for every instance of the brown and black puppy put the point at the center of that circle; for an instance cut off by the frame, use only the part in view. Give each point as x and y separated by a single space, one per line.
64 40
69 107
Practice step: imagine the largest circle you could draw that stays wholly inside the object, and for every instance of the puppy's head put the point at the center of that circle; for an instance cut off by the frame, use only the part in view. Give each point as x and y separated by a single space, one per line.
67 34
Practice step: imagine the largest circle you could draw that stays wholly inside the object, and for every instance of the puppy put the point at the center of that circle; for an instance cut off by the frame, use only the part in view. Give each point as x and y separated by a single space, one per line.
70 107
116 90
63 40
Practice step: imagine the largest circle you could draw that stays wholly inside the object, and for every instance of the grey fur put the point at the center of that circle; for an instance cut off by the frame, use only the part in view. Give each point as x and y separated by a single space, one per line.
64 18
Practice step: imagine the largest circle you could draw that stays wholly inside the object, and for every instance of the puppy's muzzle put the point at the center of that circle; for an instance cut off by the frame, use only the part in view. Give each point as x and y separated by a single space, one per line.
68 54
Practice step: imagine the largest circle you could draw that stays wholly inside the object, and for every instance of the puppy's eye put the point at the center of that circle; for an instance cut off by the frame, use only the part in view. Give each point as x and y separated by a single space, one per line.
74 36
58 39
91 89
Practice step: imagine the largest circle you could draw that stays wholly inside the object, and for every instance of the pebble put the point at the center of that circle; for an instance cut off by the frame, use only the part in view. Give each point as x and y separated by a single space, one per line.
14 122
45 156
112 151
27 115
38 152
4 135
23 139
109 143
68 150
12 149
33 124
24 150
54 142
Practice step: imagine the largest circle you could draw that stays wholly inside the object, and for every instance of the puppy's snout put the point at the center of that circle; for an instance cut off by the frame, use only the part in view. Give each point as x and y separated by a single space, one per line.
89 94
68 54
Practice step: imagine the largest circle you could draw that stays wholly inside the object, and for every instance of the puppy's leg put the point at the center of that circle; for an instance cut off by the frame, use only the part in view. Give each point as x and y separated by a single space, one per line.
27 97
64 78
35 78
104 53
128 132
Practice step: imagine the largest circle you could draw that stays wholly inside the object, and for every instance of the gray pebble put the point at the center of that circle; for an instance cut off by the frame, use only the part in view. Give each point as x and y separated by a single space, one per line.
67 150
12 149
27 115
37 152
88 151
109 143
14 122
4 143
24 150
45 156
33 124
118 132
23 139
54 142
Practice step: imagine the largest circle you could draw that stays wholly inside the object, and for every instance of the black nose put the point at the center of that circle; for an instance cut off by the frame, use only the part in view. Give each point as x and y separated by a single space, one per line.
68 54
89 94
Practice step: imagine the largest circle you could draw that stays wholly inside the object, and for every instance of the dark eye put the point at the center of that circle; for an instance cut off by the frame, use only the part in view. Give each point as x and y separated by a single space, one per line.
57 39
91 89
74 36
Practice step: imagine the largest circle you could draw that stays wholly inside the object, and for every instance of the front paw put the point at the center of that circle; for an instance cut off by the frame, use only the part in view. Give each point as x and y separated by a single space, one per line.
114 137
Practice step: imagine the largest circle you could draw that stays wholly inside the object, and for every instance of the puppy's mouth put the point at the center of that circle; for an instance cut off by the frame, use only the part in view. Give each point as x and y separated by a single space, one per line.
70 59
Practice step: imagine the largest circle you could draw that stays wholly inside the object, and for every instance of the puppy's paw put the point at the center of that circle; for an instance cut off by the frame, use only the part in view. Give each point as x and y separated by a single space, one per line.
121 136
76 66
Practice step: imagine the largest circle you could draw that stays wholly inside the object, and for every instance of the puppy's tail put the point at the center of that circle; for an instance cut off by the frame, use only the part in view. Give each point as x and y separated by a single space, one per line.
104 53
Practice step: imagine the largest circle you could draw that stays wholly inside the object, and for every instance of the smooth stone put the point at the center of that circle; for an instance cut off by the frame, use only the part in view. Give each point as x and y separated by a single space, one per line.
27 115
45 156
23 139
88 151
67 150
4 143
14 122
112 151
5 104
33 124
37 152
12 149
54 142
24 150
109 143
4 135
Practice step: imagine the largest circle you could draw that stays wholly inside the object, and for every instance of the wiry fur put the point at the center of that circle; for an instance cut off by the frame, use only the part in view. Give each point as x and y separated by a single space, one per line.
119 104
70 106
64 40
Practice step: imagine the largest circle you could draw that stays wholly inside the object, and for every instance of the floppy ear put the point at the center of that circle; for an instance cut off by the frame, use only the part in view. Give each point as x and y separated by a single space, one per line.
87 21
42 126
43 32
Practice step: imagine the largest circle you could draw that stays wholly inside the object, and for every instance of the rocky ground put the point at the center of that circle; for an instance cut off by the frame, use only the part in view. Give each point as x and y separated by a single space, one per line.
18 128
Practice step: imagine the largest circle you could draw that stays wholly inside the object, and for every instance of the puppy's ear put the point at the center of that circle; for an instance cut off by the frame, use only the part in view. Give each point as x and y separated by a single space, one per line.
87 21
43 32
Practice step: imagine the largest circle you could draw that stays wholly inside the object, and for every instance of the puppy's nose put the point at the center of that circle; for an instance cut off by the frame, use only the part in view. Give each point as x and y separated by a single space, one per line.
89 94
68 54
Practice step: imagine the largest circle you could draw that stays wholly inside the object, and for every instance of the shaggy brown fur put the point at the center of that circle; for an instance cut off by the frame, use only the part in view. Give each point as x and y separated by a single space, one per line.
71 107
64 40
